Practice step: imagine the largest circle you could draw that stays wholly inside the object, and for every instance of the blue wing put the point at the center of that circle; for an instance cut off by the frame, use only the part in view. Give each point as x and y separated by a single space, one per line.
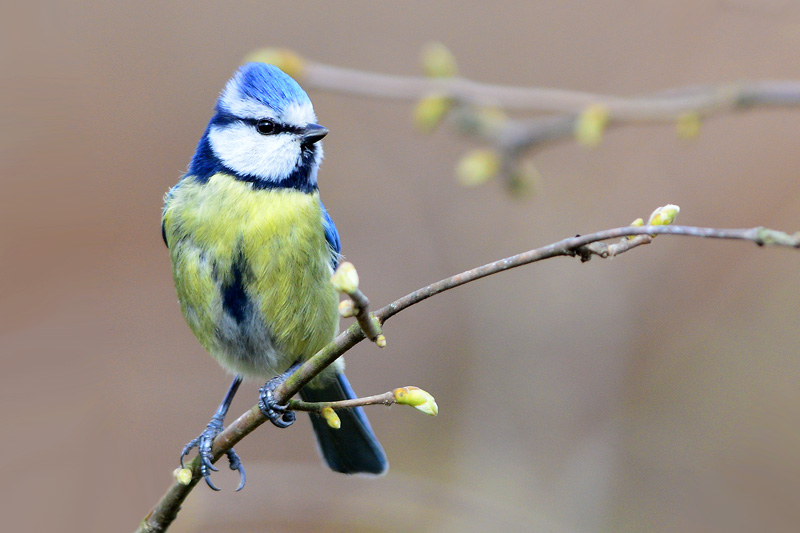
332 236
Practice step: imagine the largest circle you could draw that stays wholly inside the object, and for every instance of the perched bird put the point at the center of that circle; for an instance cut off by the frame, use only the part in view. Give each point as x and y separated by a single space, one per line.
253 250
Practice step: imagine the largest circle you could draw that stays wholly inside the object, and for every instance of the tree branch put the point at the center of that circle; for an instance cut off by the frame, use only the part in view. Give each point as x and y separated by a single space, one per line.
461 101
664 105
166 509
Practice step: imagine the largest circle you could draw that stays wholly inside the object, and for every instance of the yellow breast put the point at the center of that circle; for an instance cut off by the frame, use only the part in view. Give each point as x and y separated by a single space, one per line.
252 271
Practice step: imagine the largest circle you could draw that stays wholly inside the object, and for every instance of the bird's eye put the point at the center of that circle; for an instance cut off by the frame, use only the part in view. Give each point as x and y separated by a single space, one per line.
265 127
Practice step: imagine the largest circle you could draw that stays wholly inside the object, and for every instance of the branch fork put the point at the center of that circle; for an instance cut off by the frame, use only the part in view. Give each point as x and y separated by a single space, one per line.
345 280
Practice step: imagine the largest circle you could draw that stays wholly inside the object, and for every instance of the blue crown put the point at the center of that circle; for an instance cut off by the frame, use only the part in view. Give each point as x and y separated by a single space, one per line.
262 84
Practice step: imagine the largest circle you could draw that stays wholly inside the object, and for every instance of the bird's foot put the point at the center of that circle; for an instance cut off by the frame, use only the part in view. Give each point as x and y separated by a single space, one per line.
279 415
203 443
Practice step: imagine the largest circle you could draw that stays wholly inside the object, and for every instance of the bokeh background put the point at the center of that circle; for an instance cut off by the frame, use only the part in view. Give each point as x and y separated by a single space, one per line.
654 392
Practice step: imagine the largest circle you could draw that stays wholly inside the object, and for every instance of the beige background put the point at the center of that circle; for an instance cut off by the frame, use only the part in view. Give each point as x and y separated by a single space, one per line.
654 392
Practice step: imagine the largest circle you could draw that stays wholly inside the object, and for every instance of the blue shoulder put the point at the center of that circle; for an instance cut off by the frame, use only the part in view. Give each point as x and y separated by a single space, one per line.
331 235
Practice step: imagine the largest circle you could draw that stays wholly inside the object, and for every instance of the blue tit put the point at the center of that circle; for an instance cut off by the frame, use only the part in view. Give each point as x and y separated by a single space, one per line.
253 250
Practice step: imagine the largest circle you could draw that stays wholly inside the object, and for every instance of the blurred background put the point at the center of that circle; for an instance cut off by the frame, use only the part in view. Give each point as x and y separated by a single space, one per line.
653 392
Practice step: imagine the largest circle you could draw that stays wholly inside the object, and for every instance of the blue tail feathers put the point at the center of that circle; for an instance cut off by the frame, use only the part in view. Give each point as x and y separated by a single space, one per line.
353 448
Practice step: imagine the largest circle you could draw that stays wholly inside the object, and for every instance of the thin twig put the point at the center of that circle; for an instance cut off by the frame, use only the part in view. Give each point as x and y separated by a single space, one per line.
166 509
345 280
514 136
387 398
364 318
664 105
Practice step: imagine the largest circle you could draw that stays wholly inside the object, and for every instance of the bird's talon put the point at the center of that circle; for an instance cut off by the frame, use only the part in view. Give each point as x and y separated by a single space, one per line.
186 450
203 444
236 464
209 483
279 415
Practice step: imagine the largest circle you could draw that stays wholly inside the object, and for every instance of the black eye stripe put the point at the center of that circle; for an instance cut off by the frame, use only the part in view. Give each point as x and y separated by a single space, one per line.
222 119
277 127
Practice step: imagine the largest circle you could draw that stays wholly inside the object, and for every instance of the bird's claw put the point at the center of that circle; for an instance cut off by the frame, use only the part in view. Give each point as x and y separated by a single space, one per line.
236 464
279 415
203 444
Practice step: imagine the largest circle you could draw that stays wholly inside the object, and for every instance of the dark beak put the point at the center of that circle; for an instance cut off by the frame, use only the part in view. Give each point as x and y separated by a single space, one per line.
313 133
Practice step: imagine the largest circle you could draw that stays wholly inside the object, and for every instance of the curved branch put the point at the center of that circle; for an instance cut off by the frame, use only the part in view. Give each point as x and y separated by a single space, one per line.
166 510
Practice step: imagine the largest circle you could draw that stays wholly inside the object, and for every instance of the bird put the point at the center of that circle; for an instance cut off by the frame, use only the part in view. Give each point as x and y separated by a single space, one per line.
253 249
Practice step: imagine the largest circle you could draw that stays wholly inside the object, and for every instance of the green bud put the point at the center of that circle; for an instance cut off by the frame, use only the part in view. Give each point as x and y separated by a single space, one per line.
331 417
478 167
438 61
417 398
347 308
430 112
283 58
345 279
591 125
183 475
664 216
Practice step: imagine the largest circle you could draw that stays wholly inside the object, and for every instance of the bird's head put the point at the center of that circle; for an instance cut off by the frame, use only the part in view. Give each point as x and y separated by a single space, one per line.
265 129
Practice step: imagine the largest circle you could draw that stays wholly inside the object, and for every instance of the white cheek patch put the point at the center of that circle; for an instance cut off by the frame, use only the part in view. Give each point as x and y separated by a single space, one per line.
244 150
